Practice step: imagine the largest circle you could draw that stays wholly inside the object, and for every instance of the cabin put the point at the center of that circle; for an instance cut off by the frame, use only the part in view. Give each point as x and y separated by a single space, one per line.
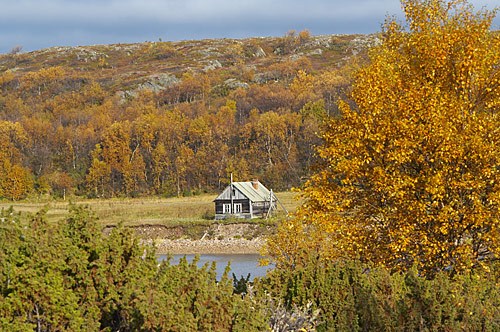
245 200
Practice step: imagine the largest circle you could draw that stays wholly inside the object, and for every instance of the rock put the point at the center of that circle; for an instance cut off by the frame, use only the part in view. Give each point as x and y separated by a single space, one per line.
212 65
86 55
158 82
323 41
166 80
259 53
317 51
296 56
124 95
364 42
233 83
209 52
262 78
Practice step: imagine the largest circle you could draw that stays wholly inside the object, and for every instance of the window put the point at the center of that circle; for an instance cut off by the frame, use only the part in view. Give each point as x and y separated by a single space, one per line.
226 208
237 208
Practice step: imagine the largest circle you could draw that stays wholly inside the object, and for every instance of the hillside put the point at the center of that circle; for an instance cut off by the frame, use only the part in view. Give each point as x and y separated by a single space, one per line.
168 118
121 67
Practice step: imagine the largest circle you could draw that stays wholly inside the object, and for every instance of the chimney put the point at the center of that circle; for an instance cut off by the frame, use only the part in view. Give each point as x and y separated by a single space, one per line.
255 184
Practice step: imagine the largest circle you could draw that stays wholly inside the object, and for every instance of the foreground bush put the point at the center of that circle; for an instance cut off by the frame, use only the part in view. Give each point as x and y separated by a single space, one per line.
69 277
352 297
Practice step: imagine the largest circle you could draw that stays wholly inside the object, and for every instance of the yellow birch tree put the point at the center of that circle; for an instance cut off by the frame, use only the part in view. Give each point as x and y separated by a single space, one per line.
15 180
410 171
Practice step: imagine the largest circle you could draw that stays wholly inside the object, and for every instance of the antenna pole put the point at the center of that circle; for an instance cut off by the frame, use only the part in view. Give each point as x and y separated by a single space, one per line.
231 194
271 195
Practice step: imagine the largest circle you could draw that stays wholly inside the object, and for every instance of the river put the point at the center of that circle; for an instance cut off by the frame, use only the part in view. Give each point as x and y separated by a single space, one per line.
241 264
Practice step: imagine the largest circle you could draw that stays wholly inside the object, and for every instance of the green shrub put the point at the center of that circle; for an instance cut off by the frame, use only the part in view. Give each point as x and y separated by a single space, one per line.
70 277
351 296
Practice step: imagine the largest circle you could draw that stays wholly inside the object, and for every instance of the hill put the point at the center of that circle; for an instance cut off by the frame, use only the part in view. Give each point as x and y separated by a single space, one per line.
168 118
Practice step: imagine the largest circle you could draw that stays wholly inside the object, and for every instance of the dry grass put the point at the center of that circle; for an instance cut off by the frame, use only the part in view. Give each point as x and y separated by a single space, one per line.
141 211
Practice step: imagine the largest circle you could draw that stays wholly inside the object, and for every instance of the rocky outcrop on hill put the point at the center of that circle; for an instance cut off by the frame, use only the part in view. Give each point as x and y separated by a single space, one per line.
164 62
158 82
233 83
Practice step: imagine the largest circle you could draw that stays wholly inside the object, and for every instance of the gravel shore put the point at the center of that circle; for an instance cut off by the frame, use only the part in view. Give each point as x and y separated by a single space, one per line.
225 246
238 238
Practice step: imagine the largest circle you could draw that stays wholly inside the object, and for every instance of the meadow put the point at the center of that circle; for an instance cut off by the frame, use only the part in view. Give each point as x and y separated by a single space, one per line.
172 211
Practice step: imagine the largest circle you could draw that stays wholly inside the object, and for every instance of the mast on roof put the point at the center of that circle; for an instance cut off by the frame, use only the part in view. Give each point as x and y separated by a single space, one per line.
231 194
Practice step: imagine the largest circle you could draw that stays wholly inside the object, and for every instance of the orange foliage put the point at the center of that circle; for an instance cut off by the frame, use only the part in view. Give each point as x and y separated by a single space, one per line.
410 172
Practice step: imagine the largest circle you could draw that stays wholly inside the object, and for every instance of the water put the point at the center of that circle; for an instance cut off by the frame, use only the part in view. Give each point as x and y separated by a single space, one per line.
241 264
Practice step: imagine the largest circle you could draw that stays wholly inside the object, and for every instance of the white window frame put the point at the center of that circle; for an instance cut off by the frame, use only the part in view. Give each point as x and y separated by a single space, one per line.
226 208
238 208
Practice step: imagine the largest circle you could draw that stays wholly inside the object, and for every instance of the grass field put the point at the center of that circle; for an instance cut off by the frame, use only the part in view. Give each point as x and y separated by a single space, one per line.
141 211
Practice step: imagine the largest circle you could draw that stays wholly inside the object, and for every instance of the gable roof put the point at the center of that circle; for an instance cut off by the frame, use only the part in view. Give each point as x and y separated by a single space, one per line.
261 194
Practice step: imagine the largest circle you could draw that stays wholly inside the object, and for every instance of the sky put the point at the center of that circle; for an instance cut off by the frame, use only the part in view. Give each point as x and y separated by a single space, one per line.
37 24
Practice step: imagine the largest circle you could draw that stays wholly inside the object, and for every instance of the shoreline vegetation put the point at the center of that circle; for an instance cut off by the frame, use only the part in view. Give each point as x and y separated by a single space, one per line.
177 225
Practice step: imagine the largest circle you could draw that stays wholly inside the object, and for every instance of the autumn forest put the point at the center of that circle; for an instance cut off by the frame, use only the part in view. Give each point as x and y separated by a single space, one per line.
163 118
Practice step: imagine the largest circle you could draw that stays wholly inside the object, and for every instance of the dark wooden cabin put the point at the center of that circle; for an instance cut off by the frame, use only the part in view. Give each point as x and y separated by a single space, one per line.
244 200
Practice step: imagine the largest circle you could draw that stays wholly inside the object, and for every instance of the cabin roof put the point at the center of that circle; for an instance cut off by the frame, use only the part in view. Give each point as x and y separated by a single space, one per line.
261 194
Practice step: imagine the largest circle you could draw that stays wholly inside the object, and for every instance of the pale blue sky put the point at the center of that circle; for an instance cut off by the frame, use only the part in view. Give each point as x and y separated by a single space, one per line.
36 24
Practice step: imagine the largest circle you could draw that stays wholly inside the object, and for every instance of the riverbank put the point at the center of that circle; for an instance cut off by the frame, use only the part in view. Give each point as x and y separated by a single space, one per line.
208 246
216 238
